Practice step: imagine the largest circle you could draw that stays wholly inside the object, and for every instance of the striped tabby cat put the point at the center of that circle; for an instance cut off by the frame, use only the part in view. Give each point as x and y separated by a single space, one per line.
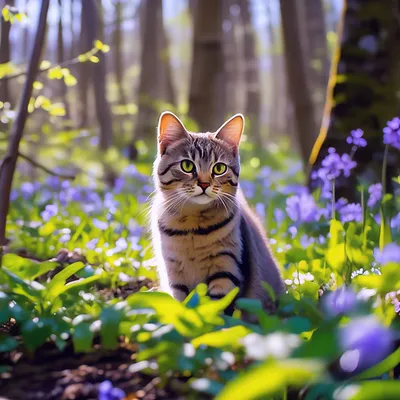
203 229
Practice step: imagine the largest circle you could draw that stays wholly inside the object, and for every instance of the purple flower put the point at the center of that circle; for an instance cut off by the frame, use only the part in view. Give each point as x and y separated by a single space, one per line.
365 343
341 301
249 189
394 298
260 210
100 224
391 133
347 164
331 165
108 392
351 212
375 194
279 215
356 138
50 211
390 253
302 208
395 222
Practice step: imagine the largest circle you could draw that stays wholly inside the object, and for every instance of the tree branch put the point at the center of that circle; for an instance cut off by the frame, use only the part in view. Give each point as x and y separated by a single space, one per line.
17 130
64 64
44 168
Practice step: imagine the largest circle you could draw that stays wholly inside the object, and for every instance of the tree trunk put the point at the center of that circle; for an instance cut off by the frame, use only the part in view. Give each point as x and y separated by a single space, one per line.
252 73
154 73
297 79
61 57
93 31
362 90
206 98
9 162
84 69
118 52
318 61
5 54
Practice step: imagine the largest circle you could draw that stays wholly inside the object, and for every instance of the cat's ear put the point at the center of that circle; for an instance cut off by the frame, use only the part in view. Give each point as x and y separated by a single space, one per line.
231 131
170 129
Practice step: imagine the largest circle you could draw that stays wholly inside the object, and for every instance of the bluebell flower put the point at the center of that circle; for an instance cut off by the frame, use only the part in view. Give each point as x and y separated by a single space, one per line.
306 241
100 224
347 164
121 244
339 302
108 392
260 210
390 253
351 212
50 211
365 342
356 138
375 194
249 189
279 215
391 133
27 189
395 222
331 165
293 231
302 208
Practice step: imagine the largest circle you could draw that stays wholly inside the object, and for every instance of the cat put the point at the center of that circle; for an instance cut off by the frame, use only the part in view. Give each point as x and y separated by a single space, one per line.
203 229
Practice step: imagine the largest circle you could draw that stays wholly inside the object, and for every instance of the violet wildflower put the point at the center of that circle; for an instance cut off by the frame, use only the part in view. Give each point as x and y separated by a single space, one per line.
390 253
351 212
100 224
331 165
341 301
394 299
249 189
302 208
395 222
366 342
279 215
260 210
391 133
50 211
347 164
356 138
108 392
375 194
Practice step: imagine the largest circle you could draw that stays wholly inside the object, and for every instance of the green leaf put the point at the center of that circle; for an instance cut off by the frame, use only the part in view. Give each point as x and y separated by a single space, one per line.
109 331
270 378
82 337
7 343
298 324
370 390
224 338
385 235
379 369
30 290
26 268
56 285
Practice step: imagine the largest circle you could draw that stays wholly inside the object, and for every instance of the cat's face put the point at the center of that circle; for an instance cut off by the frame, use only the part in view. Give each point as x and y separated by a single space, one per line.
198 169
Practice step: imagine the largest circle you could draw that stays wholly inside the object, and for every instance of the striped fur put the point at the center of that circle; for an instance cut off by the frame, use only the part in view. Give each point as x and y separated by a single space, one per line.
207 235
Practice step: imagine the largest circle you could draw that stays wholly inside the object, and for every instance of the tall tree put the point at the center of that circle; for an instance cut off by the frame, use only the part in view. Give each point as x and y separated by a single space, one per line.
155 76
5 53
93 24
84 68
206 98
9 162
118 51
297 80
61 56
363 88
252 72
317 52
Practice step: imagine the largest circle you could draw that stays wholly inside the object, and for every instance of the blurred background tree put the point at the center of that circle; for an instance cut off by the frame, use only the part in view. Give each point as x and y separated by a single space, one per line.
204 60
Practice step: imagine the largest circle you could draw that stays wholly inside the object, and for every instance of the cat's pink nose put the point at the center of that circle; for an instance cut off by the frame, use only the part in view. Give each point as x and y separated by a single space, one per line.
204 185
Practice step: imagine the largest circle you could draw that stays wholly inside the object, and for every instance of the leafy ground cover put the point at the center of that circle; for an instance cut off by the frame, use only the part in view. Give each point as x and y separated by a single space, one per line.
81 317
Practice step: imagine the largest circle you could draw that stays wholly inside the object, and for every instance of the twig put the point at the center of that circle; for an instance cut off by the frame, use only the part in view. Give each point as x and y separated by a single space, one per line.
17 129
64 64
44 168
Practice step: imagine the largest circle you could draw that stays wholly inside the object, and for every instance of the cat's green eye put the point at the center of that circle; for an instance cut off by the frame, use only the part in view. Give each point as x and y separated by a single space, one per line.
219 168
187 166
